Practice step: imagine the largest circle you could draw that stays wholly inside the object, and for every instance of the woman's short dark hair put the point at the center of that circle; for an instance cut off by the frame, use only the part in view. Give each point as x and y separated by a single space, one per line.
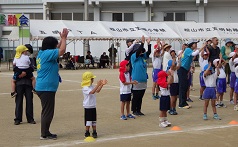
190 45
49 43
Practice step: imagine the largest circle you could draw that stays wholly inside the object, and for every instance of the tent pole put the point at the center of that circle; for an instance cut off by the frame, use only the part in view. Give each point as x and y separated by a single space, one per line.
74 56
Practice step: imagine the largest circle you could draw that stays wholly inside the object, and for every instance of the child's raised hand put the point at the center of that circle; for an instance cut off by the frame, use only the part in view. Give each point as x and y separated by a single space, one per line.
104 82
148 40
143 39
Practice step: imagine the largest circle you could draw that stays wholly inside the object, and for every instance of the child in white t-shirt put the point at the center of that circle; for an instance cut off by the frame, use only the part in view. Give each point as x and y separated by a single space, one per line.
203 60
89 102
22 63
210 90
157 67
232 76
164 81
236 83
125 89
221 82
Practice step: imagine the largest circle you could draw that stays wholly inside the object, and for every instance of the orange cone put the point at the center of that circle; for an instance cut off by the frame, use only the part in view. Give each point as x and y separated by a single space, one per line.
233 122
175 128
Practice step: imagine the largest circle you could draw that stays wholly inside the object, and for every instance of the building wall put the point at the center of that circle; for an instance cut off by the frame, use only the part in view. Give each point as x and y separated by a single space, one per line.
221 12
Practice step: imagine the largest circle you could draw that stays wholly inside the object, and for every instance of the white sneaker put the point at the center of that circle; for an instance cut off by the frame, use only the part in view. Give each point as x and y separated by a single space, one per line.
163 125
236 108
232 102
168 123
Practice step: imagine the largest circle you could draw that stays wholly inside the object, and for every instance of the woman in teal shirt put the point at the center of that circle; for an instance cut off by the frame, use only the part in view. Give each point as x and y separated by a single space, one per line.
47 80
225 51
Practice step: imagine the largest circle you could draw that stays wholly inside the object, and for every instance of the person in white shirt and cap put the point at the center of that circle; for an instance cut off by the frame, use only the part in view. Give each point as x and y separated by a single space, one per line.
232 75
236 83
203 60
221 81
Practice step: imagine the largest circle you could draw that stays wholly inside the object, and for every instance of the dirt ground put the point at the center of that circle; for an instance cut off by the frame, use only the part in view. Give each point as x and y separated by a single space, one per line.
68 121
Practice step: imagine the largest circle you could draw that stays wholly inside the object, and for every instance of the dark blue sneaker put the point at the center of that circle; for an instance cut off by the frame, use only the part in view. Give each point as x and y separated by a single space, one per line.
123 117
130 116
154 97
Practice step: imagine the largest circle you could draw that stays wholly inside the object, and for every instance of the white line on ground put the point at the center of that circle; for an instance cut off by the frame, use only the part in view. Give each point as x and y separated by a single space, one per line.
76 142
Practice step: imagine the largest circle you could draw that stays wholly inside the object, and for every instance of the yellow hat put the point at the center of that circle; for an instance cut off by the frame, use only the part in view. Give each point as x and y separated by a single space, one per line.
87 76
19 50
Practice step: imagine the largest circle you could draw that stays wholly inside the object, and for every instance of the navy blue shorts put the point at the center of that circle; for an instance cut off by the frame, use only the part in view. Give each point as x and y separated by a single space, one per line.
202 83
164 103
221 85
209 93
155 74
236 86
174 89
125 97
232 80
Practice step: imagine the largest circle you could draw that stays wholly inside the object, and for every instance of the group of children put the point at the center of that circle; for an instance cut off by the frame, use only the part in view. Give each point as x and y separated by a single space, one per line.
212 81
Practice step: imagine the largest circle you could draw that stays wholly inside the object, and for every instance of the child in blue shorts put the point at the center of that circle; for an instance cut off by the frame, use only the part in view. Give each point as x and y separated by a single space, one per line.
232 76
210 90
221 82
164 81
157 67
236 83
174 87
125 88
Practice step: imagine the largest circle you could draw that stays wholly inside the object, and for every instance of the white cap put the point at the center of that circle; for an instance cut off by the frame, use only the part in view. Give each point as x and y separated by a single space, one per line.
231 54
205 53
236 61
215 62
192 41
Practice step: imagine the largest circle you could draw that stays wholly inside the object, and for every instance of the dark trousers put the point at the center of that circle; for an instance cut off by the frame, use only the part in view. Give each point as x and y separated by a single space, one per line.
183 86
228 72
47 113
21 91
137 100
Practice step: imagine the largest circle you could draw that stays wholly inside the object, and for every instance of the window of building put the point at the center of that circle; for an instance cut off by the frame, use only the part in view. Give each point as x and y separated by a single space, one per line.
36 15
66 16
116 16
174 16
122 17
78 16
91 17
179 16
55 16
128 17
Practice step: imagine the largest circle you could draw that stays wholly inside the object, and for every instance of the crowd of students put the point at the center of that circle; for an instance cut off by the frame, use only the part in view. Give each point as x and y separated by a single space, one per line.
172 77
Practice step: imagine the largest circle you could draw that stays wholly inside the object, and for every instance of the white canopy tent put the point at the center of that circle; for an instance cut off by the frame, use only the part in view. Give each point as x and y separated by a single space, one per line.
91 30
157 30
123 30
227 30
199 31
40 29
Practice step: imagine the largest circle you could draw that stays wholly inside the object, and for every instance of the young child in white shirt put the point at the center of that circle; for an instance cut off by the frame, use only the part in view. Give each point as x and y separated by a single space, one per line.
22 63
89 102
157 67
210 90
164 82
221 82
125 89
236 83
203 60
232 76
